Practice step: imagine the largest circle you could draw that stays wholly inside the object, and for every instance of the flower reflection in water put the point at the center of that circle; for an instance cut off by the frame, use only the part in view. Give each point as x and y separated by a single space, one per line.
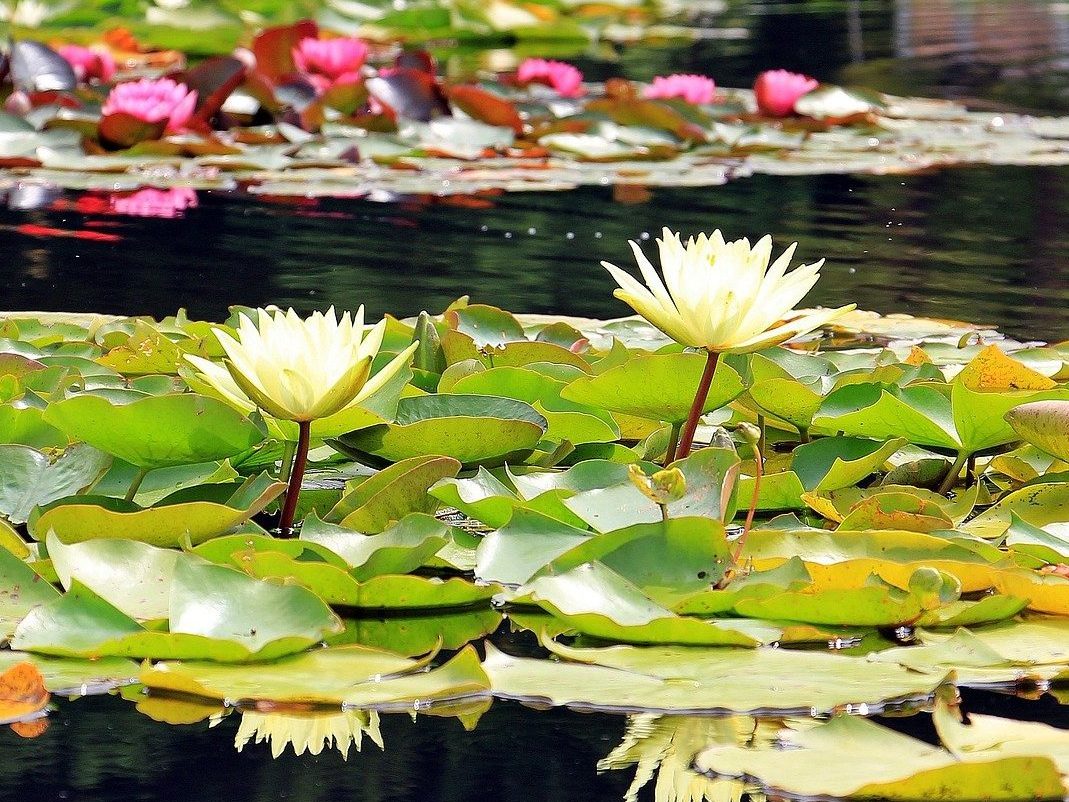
309 732
663 748
149 202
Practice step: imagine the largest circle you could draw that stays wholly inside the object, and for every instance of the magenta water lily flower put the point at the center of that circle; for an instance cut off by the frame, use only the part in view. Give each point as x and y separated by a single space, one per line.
89 64
326 62
153 101
565 79
777 91
691 88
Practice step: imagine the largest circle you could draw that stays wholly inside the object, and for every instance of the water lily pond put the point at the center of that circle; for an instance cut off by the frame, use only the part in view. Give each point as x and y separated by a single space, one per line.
455 541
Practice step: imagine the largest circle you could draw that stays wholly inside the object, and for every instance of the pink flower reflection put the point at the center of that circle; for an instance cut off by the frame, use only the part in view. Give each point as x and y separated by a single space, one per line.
89 64
777 91
326 62
691 88
149 202
153 101
562 77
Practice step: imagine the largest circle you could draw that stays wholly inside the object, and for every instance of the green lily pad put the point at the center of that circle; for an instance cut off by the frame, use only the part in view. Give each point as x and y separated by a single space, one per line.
832 463
156 431
134 577
21 590
874 762
403 547
354 676
28 478
655 386
413 635
392 493
1038 505
26 426
1044 424
595 600
891 554
191 515
678 679
1049 543
482 497
383 592
1004 652
666 560
215 613
950 416
469 428
515 552
567 420
69 677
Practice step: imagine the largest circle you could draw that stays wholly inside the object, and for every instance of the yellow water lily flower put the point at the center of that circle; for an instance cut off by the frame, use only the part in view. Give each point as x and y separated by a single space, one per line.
722 296
295 369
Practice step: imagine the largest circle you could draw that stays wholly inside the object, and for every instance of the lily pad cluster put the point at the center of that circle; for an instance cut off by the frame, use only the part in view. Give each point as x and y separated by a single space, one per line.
302 111
912 513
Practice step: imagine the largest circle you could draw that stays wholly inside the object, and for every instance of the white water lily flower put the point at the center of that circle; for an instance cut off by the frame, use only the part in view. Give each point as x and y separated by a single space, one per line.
722 296
299 370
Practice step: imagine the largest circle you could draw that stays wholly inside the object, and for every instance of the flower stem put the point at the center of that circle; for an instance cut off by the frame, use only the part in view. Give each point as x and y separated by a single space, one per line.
952 474
673 443
136 484
759 465
686 440
284 468
296 476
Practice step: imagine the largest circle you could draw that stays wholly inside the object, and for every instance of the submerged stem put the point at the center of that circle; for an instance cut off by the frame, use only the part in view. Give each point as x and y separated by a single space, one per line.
686 439
673 442
296 476
759 470
136 484
952 474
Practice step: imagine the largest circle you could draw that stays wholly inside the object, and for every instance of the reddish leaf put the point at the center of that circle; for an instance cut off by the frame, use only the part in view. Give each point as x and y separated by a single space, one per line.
486 107
409 93
122 130
274 48
214 80
648 112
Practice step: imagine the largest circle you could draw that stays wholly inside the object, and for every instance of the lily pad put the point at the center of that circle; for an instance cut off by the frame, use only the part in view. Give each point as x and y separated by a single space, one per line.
156 431
389 495
28 478
192 515
656 386
469 428
215 613
678 679
354 676
874 762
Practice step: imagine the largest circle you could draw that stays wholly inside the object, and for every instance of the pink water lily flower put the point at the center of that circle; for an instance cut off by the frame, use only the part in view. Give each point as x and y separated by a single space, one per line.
691 88
565 79
326 62
777 91
153 101
149 202
89 64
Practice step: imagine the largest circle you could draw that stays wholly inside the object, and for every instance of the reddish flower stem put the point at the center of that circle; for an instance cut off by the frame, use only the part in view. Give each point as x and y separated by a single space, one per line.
686 439
759 463
300 460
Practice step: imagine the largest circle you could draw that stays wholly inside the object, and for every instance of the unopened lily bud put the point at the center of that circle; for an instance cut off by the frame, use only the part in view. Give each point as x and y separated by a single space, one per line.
749 433
663 487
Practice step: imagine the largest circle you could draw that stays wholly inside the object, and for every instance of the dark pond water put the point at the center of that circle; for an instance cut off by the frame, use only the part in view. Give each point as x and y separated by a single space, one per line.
986 244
